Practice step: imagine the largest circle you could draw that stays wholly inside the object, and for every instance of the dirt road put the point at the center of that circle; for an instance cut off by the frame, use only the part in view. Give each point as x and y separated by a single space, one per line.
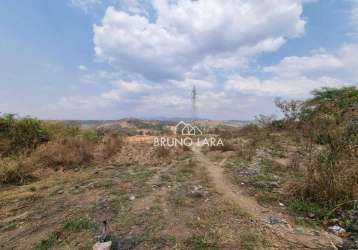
281 224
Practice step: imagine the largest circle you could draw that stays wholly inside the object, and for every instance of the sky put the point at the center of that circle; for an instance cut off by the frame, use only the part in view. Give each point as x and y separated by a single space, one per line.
111 59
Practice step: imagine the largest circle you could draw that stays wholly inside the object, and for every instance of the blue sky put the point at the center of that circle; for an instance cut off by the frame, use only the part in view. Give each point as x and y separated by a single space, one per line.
109 59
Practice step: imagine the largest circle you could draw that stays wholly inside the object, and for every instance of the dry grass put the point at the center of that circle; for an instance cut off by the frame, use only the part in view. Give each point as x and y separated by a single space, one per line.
109 146
13 170
331 184
161 152
68 152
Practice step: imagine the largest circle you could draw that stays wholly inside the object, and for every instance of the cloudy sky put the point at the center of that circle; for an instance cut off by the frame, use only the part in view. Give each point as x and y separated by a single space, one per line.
109 59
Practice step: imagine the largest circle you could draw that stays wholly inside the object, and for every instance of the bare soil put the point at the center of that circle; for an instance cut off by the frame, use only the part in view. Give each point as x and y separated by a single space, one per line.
284 228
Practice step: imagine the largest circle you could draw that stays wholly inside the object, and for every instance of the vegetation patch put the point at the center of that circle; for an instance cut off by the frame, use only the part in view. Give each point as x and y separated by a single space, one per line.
8 227
307 209
47 243
250 240
77 224
200 242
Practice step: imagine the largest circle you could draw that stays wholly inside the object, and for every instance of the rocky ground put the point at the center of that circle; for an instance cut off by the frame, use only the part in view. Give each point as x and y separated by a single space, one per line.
267 176
187 200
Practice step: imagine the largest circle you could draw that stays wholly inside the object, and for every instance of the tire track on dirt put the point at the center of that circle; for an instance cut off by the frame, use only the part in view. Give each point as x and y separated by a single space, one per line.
308 239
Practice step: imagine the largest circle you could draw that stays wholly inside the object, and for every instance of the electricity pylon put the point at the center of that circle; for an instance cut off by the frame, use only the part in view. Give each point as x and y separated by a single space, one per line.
193 100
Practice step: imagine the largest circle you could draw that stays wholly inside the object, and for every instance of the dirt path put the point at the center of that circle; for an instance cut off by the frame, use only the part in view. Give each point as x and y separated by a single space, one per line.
281 225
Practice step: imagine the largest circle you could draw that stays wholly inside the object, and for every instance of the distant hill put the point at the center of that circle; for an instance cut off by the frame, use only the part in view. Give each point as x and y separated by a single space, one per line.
136 123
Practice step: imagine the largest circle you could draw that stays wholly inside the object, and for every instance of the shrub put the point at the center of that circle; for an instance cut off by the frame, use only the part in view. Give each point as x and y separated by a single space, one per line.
255 137
67 152
305 208
332 179
58 130
328 119
264 121
20 135
91 134
250 129
278 124
247 150
48 144
13 170
109 145
290 109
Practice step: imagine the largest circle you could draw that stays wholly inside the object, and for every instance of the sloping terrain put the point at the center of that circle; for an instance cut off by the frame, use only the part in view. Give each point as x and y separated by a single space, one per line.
281 225
179 201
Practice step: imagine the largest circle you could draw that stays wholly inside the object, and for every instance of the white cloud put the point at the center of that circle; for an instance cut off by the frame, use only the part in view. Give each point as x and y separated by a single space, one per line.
298 76
97 7
348 56
354 17
188 33
294 87
85 5
82 68
188 83
121 92
164 50
240 59
134 6
124 88
294 65
83 103
341 64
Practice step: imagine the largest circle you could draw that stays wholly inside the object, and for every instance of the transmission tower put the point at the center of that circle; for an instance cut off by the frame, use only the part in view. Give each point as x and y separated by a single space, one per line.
193 100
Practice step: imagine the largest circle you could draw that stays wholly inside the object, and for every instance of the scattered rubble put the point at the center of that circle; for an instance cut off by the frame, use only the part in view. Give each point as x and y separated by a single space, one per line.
102 246
337 229
198 192
275 184
273 221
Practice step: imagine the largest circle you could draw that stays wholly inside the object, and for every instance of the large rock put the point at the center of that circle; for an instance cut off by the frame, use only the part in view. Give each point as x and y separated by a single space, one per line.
102 246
